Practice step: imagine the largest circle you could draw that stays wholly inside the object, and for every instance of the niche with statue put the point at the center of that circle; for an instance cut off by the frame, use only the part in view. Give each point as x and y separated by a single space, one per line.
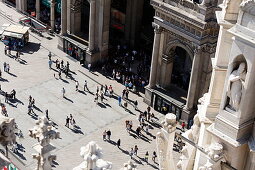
235 85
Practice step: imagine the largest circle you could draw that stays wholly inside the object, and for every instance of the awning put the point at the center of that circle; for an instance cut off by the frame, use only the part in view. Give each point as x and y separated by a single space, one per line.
17 29
12 34
3 161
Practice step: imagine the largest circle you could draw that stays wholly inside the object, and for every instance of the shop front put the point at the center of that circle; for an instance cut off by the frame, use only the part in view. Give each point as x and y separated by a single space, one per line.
166 104
11 2
75 49
117 21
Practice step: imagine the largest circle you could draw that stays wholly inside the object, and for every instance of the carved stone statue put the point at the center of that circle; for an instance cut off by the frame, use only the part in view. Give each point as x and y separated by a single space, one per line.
193 133
129 166
92 154
44 132
235 87
215 156
7 131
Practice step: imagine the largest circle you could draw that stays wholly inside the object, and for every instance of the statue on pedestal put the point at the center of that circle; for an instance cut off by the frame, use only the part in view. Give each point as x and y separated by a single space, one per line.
235 87
44 132
165 141
92 155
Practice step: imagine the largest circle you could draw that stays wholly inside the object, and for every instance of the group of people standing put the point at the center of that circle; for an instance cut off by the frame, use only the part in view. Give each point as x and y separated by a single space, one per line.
103 91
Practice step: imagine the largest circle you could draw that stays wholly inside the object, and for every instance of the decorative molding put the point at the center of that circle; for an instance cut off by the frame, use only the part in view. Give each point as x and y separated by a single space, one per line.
168 58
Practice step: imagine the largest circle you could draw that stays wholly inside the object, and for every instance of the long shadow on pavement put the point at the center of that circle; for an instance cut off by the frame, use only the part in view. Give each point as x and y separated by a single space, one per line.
142 159
68 99
12 74
82 92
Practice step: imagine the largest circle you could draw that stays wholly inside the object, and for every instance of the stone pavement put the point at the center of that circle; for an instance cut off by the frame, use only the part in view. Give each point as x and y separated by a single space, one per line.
33 77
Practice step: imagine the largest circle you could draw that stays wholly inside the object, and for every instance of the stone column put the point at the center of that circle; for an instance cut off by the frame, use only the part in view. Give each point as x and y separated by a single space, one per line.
92 17
194 79
63 17
155 53
52 14
37 7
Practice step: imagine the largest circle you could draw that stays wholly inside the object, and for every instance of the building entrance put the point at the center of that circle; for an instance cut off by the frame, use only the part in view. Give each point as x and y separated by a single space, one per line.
117 22
182 65
85 11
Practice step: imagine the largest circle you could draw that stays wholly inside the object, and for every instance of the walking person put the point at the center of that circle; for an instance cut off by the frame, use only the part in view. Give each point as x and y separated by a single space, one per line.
47 114
71 119
109 133
63 91
104 135
89 67
97 89
17 55
5 50
125 106
50 64
119 100
118 143
59 74
123 93
7 68
183 126
135 150
127 94
30 109
135 105
5 64
77 85
9 50
49 55
154 155
102 97
67 121
85 85
131 153
146 157
101 88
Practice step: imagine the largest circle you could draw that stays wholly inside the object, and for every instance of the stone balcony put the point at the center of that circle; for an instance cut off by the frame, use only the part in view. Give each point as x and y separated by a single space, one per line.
187 9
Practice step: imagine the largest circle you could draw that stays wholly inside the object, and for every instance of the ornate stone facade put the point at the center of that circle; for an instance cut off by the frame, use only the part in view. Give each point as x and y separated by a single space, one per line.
225 139
186 27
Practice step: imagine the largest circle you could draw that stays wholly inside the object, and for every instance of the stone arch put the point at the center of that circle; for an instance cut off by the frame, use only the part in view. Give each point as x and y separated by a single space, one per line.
172 44
179 66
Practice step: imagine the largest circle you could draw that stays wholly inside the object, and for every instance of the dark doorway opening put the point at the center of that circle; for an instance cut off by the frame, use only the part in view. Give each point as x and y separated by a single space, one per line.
181 68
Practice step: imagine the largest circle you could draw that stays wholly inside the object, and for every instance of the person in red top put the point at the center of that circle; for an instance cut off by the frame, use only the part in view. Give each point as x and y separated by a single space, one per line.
183 126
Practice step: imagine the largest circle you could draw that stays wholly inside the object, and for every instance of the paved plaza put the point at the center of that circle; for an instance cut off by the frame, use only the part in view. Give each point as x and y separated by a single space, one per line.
32 76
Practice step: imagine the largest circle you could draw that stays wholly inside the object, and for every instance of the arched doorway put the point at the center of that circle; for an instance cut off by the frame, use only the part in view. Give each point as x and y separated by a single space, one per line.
85 12
181 69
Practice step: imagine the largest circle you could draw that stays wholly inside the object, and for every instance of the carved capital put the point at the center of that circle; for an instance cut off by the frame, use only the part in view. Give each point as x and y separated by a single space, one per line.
197 50
168 58
157 28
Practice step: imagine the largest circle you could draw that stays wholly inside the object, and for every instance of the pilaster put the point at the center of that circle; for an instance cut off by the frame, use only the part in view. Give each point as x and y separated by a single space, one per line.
52 14
155 55
92 21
